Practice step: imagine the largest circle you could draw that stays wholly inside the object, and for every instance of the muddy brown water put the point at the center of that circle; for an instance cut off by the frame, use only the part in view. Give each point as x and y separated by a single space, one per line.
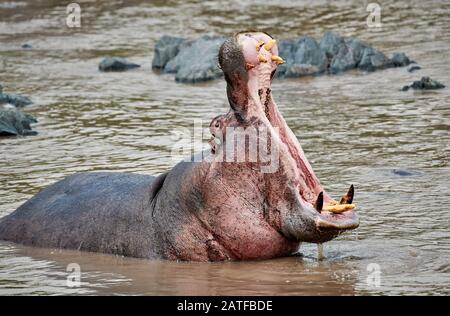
355 128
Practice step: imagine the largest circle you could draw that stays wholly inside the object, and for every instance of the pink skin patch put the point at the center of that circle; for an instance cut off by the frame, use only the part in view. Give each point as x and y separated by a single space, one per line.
246 213
260 79
264 107
249 43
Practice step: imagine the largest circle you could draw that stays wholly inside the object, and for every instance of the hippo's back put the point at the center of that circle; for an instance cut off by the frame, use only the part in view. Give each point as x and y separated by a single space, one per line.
101 212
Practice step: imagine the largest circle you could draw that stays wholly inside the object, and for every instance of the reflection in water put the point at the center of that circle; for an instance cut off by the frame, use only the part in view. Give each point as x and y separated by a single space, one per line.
355 128
287 276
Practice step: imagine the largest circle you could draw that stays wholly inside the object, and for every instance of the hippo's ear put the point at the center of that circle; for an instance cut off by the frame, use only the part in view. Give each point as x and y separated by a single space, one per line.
232 63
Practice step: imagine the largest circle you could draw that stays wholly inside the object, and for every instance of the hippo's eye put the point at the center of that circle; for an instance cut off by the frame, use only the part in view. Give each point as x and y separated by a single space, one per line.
217 125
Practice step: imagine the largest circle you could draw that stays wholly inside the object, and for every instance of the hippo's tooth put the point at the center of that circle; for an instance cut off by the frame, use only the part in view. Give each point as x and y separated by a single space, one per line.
277 59
268 46
319 202
259 45
249 66
339 208
348 198
262 59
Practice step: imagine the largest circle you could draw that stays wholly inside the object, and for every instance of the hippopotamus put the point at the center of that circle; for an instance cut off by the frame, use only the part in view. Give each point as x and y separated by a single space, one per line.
212 207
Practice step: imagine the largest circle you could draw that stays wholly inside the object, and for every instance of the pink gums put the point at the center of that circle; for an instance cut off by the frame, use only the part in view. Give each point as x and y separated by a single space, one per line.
263 107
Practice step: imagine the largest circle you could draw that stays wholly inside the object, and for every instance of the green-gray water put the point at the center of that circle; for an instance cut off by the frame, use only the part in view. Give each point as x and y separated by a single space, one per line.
355 128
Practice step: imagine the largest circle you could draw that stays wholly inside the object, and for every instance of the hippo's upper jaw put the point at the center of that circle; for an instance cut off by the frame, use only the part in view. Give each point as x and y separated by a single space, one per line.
295 203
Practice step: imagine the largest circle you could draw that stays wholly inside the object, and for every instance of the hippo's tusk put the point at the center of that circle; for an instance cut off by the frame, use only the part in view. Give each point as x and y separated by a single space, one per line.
348 198
319 202
259 45
339 208
262 59
249 66
277 59
268 46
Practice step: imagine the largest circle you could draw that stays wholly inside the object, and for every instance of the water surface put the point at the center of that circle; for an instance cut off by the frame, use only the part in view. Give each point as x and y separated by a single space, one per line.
355 128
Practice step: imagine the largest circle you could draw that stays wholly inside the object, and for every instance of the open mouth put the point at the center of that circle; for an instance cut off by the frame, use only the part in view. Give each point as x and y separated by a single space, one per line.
261 60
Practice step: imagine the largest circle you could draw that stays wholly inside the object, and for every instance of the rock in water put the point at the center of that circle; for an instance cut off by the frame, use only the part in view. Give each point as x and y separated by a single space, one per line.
166 49
196 60
372 59
14 99
116 64
400 60
16 123
307 58
426 83
331 43
414 68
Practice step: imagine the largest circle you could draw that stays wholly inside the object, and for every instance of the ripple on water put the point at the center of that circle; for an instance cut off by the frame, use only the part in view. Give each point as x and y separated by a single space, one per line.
355 128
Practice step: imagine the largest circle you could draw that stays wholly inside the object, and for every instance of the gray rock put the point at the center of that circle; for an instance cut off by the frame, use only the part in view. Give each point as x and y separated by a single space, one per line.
372 59
308 58
286 49
343 54
196 60
343 61
166 49
27 46
357 47
426 83
14 99
116 64
331 43
414 68
16 123
400 60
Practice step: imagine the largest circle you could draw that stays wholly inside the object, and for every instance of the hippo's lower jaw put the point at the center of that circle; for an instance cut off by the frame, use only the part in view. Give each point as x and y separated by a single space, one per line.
318 227
344 221
331 225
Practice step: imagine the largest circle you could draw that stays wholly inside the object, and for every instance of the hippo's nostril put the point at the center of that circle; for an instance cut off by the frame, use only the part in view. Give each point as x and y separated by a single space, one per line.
259 45
319 202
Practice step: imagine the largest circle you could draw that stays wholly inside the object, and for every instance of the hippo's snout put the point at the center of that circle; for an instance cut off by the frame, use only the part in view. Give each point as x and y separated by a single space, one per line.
322 221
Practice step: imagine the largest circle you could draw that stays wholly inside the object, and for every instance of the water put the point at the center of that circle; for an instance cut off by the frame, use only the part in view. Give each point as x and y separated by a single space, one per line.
355 128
